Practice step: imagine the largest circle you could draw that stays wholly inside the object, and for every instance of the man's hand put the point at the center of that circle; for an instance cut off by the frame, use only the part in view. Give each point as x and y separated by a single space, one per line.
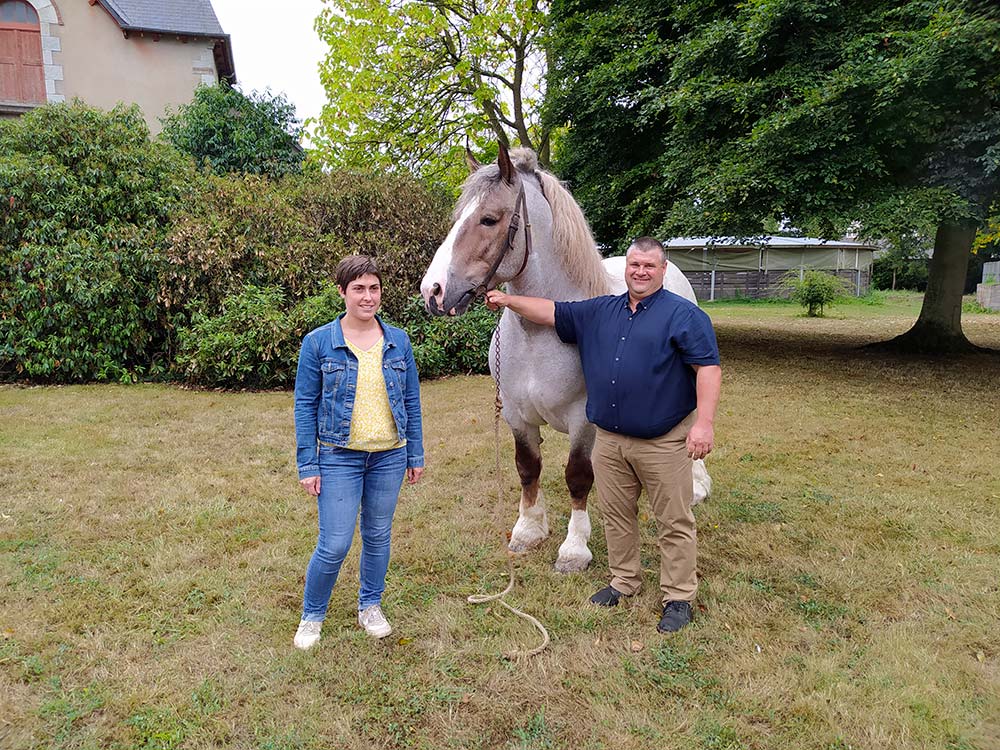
495 299
413 474
700 439
536 309
311 485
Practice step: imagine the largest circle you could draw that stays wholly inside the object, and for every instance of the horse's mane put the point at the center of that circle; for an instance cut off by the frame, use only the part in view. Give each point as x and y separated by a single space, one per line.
571 236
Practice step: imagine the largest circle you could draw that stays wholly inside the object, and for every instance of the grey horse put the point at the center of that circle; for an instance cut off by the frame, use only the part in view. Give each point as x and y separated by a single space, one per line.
541 381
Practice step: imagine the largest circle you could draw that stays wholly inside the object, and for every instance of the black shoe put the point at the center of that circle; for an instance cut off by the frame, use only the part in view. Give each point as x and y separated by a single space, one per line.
607 597
675 616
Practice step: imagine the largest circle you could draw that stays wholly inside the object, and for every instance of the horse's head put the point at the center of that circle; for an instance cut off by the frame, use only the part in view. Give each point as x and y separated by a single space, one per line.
481 249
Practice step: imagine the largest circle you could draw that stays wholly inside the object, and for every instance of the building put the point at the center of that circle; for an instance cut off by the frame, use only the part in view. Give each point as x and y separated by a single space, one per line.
720 267
108 51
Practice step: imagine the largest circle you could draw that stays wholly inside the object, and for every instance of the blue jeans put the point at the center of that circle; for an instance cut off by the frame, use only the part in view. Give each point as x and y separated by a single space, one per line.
351 480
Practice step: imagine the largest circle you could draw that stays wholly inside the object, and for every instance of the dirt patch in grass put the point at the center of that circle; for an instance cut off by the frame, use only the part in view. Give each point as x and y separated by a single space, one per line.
153 543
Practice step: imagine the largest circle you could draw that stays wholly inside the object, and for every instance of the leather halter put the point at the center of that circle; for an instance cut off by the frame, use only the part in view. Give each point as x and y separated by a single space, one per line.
520 204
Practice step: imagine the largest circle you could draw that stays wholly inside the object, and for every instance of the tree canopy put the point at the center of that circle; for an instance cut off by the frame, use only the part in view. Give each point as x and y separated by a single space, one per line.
254 133
707 117
410 81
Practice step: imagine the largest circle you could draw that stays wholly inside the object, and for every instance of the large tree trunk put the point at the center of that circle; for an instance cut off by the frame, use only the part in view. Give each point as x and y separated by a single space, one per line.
938 330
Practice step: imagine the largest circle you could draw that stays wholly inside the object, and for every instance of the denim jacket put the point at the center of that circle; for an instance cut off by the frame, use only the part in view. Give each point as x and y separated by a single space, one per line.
327 380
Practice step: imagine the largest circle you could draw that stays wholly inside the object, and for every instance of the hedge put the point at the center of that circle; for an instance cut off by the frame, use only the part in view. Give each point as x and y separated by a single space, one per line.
120 259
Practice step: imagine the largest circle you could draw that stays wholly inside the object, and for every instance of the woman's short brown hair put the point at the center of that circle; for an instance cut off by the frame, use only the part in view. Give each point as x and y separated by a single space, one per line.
354 267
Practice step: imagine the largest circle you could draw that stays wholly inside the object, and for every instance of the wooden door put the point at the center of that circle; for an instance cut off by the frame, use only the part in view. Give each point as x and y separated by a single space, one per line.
22 73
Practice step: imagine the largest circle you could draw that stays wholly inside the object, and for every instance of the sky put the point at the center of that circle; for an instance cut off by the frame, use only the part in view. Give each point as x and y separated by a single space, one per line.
274 45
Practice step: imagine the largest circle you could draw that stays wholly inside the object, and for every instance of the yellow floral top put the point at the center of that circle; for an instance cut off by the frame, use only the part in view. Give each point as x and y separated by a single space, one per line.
372 425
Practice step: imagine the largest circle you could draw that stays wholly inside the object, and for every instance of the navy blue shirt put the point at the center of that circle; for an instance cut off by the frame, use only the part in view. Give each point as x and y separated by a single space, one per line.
637 366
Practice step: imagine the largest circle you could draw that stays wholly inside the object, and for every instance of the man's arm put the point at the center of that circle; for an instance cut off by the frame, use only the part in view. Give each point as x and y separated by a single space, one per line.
536 309
701 438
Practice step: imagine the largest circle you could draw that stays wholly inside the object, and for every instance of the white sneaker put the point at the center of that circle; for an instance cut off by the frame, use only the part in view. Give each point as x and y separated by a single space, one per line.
307 635
374 622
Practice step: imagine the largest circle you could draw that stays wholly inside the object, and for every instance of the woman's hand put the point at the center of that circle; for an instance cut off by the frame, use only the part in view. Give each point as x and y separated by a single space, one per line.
311 485
413 474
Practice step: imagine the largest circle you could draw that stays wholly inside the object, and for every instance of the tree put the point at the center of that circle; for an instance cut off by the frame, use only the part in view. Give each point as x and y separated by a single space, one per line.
903 263
254 133
709 118
410 81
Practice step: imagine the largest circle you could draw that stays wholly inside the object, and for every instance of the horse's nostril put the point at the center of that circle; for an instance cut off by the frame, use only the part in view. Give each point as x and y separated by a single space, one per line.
436 289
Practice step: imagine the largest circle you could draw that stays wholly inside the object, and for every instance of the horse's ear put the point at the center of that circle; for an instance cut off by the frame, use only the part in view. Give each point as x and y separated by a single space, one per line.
471 161
506 168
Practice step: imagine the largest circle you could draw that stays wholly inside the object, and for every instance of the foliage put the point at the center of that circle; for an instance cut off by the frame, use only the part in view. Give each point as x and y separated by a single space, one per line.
120 260
443 345
254 133
815 290
253 341
292 233
988 239
698 118
903 265
880 112
409 83
85 201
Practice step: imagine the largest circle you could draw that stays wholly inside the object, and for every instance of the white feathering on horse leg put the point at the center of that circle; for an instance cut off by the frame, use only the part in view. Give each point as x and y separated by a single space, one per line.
574 554
702 481
532 527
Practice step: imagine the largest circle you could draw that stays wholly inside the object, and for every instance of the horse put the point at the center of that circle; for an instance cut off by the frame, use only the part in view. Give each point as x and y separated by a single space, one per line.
517 224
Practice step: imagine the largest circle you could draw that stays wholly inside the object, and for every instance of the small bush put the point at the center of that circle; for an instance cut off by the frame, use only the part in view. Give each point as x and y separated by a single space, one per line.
815 290
247 343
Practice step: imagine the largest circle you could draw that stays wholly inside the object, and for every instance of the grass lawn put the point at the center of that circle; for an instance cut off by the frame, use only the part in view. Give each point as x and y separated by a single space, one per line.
153 542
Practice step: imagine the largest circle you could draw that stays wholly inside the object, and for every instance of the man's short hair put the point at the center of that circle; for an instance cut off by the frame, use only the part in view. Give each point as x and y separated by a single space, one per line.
648 245
354 267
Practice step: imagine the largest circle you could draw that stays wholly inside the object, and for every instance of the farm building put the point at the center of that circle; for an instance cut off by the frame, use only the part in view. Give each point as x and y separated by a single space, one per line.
720 267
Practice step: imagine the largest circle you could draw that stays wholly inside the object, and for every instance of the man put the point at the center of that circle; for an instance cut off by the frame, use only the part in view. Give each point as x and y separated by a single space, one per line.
651 365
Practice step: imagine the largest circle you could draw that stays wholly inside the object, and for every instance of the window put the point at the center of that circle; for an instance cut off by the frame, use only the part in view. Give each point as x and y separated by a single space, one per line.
22 75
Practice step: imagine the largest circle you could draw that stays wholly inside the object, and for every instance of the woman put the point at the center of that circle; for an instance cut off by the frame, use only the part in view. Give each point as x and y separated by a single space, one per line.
358 432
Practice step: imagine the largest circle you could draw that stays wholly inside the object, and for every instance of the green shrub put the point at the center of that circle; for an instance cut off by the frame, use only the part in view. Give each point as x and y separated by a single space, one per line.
254 133
116 253
445 346
85 201
815 290
253 342
246 344
291 233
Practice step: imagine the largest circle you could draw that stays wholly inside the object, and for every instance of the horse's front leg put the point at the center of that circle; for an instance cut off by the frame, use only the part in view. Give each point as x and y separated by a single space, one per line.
532 527
574 554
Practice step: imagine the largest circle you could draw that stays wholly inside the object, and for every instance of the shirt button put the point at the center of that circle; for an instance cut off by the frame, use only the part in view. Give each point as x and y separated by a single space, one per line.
612 382
612 404
623 338
616 359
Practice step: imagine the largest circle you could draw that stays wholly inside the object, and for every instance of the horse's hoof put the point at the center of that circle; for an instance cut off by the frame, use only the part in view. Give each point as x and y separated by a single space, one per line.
572 564
528 545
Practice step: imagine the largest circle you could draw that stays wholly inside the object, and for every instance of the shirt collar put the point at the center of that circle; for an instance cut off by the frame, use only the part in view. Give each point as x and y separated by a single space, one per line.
337 334
646 302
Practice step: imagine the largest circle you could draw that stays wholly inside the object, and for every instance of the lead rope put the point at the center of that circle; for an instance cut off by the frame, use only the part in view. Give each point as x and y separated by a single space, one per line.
498 598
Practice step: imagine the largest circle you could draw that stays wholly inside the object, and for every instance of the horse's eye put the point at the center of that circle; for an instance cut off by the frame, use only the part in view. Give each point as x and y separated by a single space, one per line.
487 221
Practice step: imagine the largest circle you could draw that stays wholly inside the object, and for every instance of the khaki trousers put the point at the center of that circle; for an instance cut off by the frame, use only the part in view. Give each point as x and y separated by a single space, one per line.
623 466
